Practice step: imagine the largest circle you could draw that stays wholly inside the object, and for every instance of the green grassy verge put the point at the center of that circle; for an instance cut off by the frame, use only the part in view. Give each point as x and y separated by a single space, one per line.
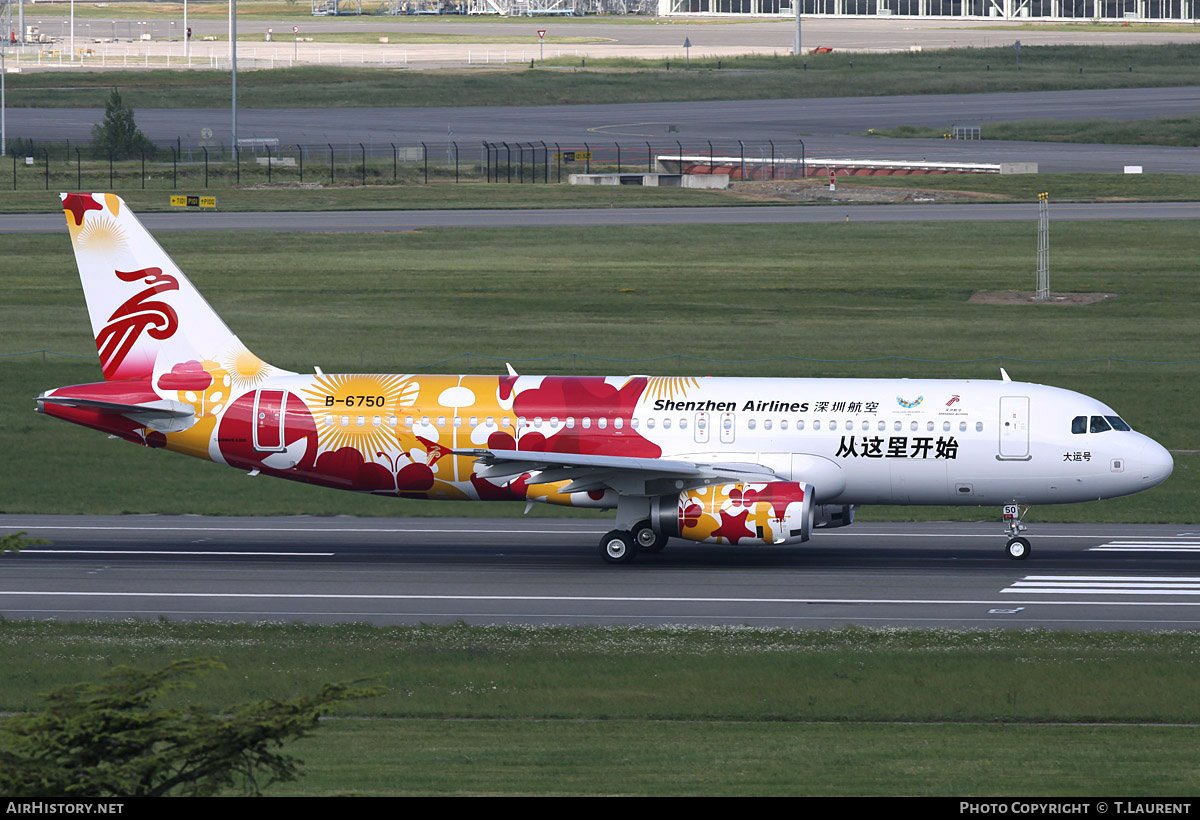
380 194
955 71
399 302
386 197
505 710
1165 131
1026 187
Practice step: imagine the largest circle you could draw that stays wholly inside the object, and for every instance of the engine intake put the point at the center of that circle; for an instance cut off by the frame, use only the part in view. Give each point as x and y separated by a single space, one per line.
778 512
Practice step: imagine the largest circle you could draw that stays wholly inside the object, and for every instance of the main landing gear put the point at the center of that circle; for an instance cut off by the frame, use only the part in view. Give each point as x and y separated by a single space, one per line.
1017 548
623 546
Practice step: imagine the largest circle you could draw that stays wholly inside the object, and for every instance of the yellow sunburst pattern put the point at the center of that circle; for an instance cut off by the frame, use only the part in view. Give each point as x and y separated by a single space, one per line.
668 387
359 411
101 235
245 370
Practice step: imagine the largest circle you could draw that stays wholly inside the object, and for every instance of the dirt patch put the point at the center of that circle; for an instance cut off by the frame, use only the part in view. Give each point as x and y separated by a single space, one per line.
813 190
1025 297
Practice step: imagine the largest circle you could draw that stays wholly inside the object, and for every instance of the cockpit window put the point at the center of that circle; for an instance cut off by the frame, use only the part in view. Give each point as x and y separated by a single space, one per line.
1118 423
1079 425
1099 425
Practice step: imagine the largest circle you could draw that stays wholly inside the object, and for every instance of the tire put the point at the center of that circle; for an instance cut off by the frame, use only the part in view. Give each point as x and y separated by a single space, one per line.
618 547
1018 549
647 539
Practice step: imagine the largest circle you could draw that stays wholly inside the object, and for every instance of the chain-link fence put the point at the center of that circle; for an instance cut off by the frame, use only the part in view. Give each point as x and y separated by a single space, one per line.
207 163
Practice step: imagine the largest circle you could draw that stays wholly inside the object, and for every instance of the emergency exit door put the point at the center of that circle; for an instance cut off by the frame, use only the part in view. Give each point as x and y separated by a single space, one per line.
1014 427
268 421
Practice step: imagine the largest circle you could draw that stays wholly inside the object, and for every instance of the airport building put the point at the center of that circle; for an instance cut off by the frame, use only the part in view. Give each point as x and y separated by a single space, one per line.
1060 10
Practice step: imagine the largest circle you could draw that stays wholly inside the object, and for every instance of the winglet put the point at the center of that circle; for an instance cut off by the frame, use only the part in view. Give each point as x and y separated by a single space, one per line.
511 372
1004 375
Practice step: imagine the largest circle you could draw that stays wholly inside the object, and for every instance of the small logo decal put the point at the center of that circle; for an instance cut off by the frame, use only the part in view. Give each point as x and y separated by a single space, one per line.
953 400
912 403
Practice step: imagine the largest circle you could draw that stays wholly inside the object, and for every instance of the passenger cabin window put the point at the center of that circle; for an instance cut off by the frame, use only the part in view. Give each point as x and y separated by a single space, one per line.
1079 425
1099 425
602 422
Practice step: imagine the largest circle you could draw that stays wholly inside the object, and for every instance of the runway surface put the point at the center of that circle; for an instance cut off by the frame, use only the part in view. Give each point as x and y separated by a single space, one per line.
540 571
827 126
384 221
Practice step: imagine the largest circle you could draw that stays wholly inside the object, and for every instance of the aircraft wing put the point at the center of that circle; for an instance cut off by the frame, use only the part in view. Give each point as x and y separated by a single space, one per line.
628 476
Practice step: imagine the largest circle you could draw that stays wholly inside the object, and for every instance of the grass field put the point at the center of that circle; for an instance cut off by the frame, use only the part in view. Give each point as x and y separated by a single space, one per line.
684 710
562 300
1166 131
953 71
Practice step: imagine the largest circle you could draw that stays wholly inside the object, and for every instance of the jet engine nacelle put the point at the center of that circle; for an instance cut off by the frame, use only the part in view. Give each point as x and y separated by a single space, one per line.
777 512
829 516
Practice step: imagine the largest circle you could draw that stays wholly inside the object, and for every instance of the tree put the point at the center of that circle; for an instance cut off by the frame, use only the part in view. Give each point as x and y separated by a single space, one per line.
16 541
118 133
105 740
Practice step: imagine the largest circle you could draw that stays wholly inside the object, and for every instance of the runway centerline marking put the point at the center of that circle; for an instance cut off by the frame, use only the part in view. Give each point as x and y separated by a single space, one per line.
572 598
172 552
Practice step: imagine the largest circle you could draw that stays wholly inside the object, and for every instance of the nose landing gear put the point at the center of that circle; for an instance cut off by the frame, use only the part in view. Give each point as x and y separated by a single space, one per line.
1017 548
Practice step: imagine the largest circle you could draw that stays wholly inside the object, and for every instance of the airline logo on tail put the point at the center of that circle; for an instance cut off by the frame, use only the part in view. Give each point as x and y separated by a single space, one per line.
136 316
147 317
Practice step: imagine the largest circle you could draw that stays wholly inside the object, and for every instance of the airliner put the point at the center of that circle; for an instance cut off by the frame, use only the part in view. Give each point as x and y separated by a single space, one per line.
732 461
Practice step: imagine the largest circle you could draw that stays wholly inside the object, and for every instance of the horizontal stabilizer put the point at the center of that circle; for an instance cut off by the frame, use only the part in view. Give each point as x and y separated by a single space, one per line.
164 415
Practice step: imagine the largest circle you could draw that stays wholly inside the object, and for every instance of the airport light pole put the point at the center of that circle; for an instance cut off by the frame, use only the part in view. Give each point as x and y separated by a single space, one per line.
796 42
233 61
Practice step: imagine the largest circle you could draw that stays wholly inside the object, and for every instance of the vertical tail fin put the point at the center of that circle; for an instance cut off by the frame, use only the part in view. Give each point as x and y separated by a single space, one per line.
147 318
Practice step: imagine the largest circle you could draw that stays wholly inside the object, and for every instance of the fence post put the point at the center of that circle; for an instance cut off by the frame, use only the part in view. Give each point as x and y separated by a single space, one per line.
742 157
142 151
330 144
545 163
680 147
394 162
364 163
46 154
174 168
588 166
649 159
78 172
237 153
455 144
508 159
268 165
14 172
710 157
772 158
301 147
205 149
558 160
425 156
803 160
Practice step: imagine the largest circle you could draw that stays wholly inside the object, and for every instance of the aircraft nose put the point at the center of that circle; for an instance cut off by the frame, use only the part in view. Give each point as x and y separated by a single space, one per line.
1154 463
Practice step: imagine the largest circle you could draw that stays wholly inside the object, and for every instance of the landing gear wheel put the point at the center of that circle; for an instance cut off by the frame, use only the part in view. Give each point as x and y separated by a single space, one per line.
647 539
1017 549
618 547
